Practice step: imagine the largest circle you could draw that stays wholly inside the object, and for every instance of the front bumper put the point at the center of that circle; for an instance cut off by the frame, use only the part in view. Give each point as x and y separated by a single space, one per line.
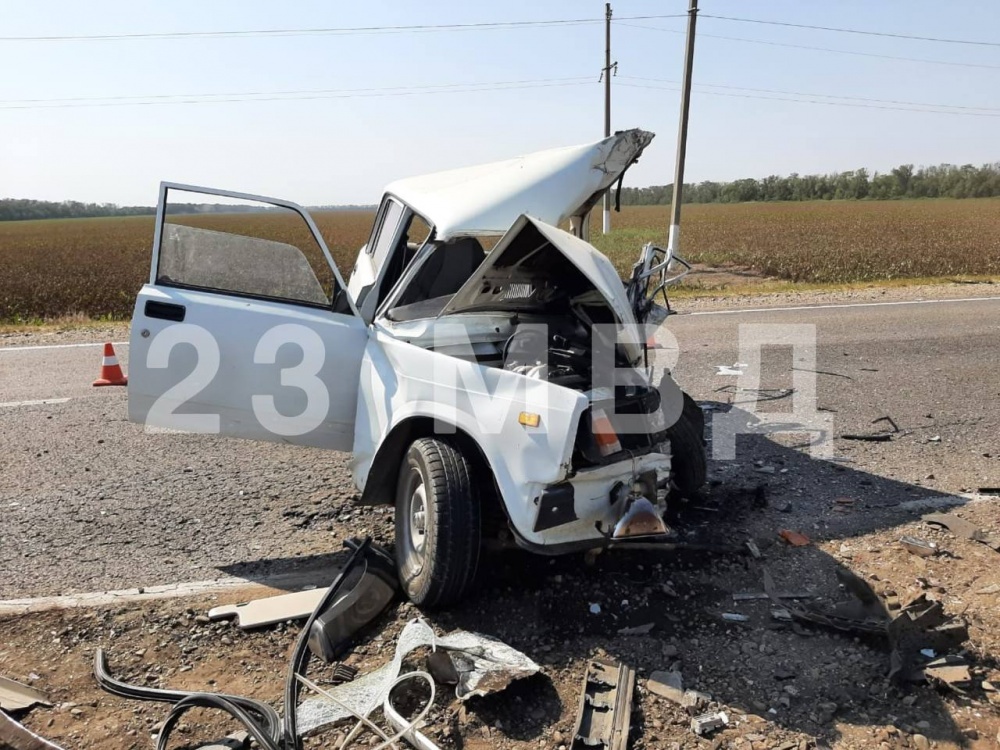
581 512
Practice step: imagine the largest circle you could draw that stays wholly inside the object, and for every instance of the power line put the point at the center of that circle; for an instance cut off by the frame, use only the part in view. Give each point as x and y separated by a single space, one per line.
825 96
818 101
345 30
855 31
308 94
366 89
820 49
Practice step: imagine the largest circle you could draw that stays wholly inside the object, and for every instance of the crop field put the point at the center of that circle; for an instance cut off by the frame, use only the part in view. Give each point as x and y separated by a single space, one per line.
94 267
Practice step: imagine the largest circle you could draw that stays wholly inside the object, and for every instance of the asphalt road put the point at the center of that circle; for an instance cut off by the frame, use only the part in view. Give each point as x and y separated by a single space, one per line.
89 502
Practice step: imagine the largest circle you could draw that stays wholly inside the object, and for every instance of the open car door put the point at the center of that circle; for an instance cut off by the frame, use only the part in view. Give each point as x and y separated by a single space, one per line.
245 327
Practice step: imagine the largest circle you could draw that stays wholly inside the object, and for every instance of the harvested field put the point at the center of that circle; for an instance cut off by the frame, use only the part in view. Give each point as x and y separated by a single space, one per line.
94 267
829 242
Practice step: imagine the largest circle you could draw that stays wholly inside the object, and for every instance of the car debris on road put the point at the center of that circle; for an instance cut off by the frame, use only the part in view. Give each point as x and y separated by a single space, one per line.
15 696
15 736
477 665
605 711
917 546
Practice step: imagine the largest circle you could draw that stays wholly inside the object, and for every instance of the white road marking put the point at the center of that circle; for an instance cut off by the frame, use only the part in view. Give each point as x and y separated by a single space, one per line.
42 347
36 402
285 582
840 306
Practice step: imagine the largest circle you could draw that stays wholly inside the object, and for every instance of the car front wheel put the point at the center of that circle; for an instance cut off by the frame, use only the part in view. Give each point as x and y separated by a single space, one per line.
437 524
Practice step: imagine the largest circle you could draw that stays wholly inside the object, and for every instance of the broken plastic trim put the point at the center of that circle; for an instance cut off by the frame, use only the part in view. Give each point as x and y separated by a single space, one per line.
260 720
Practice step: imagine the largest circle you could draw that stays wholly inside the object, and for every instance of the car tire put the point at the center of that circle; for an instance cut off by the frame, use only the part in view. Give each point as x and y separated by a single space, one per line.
438 533
687 444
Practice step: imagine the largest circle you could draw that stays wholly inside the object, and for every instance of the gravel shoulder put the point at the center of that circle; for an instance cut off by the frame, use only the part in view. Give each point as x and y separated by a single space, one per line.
90 502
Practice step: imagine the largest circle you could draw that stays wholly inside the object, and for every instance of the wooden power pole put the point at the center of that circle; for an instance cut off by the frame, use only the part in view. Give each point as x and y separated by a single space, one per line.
673 243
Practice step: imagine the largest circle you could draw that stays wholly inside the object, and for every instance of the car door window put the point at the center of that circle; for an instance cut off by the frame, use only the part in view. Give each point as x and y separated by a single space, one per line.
245 247
388 228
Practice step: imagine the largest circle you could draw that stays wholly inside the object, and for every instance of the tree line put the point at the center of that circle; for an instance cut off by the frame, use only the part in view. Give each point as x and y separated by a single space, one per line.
15 209
942 181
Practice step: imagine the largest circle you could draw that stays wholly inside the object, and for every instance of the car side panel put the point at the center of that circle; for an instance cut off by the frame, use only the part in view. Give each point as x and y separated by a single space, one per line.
400 381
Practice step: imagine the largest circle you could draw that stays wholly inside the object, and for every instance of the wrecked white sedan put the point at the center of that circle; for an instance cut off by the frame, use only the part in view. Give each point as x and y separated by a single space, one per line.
483 366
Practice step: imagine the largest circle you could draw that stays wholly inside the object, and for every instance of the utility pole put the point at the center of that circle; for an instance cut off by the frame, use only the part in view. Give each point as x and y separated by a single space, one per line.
607 103
674 240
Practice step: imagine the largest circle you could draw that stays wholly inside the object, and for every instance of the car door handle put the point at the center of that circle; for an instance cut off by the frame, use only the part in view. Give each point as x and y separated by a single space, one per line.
165 310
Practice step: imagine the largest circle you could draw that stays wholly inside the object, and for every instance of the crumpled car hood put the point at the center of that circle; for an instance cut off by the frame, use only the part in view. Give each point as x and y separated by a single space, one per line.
551 185
503 281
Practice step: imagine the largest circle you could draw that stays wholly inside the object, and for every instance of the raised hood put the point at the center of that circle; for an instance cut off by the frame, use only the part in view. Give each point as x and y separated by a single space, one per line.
539 268
551 185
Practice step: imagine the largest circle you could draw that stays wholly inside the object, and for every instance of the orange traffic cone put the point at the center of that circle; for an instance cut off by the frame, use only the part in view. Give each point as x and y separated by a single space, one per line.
111 371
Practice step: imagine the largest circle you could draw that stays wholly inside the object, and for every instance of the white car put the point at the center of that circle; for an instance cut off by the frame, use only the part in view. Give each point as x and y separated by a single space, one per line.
483 366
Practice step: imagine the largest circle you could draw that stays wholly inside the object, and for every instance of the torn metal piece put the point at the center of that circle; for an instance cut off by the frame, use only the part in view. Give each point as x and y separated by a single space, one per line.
605 711
921 624
917 546
484 665
641 518
343 673
745 596
708 723
442 668
951 672
637 629
862 615
15 697
15 736
962 528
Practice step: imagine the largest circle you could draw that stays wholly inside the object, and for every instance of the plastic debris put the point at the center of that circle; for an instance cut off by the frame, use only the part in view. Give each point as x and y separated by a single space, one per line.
595 609
734 617
16 697
794 538
735 369
708 723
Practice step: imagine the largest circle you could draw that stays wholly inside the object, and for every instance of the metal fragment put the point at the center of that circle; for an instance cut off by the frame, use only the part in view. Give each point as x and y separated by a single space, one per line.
604 715
916 546
965 529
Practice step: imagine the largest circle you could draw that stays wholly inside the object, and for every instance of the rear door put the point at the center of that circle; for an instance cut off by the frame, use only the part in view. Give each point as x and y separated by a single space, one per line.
245 327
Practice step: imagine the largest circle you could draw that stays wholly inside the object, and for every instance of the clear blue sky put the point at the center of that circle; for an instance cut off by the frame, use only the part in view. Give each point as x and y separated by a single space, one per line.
344 150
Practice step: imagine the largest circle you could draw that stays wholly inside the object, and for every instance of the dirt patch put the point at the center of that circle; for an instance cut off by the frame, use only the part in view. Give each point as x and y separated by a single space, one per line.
783 685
